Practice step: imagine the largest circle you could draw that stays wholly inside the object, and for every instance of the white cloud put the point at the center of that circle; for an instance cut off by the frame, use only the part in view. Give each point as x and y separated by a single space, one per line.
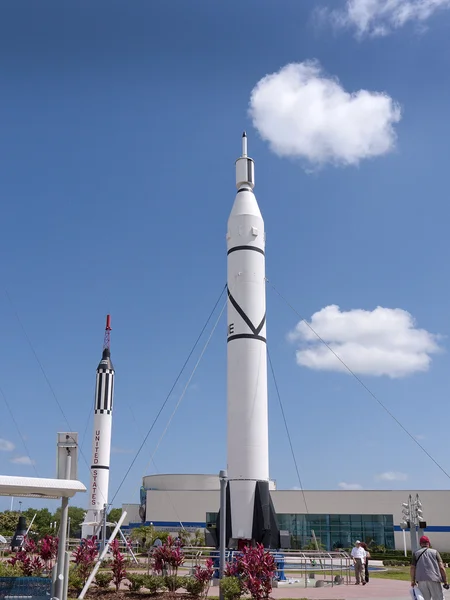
380 17
420 437
384 341
22 460
304 113
349 486
6 445
392 476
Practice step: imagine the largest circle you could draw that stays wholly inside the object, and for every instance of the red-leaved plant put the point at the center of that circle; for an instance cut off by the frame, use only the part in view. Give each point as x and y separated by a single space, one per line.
204 575
256 568
29 546
118 565
28 565
167 558
48 550
85 556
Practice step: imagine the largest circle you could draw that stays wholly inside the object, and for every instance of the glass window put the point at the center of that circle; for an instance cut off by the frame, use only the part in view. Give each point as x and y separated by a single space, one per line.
338 531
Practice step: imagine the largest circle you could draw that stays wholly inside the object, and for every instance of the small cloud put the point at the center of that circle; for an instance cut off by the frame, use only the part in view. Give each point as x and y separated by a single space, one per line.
117 450
6 445
304 113
420 437
391 476
22 460
384 341
349 486
377 18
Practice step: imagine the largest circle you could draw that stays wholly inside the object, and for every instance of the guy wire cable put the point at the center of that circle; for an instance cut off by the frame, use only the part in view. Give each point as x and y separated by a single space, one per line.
47 380
154 465
287 431
2 393
188 383
170 393
368 390
181 398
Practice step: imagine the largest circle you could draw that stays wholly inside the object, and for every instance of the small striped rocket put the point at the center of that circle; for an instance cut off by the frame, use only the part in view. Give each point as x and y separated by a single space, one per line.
101 442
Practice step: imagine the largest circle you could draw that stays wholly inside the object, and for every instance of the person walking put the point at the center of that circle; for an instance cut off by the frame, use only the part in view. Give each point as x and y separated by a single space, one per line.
359 560
427 571
366 564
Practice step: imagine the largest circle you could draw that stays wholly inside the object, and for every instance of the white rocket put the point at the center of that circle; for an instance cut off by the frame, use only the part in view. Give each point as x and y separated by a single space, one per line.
249 503
101 442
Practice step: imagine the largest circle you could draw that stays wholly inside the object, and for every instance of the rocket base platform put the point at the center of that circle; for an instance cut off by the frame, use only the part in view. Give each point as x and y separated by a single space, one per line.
265 528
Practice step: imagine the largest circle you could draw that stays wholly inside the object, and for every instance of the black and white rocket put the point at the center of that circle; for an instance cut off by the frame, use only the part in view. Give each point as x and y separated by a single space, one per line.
101 443
250 511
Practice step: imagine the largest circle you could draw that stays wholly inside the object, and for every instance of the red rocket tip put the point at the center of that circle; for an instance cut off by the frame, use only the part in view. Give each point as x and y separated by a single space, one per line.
108 323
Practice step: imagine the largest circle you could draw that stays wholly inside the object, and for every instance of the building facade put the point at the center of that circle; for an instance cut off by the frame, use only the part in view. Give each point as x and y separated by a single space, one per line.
337 517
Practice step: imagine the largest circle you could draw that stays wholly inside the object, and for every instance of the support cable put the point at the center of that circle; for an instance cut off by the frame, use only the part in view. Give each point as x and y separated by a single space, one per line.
368 390
169 394
2 393
48 382
287 431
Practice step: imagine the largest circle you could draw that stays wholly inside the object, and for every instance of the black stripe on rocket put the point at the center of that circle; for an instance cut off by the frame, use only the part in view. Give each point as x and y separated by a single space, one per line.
104 392
255 330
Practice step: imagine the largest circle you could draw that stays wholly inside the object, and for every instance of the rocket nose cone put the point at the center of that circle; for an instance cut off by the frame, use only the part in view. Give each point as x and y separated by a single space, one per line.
105 363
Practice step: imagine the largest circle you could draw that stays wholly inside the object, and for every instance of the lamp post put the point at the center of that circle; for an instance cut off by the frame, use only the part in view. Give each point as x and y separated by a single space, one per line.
412 519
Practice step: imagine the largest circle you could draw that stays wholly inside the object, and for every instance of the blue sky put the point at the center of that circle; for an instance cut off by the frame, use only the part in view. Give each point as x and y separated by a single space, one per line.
121 123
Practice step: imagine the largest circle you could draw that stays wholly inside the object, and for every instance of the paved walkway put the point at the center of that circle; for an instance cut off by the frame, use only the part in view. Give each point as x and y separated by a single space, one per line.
385 589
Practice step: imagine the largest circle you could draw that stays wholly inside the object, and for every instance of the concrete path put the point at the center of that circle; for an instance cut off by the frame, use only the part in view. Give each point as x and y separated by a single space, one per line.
386 589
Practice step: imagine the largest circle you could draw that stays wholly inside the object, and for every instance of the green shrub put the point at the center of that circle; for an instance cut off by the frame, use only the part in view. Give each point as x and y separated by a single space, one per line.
193 586
103 579
231 588
154 583
175 582
76 582
7 570
136 582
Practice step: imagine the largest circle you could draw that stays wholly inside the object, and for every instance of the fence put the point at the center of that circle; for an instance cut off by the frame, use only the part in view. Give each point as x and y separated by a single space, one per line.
308 568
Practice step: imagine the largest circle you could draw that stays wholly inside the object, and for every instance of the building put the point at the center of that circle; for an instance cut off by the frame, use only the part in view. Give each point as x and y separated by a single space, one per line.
338 517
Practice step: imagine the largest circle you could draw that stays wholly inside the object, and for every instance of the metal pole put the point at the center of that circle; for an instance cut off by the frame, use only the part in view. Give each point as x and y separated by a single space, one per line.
223 526
105 508
413 525
29 527
128 546
102 556
404 542
66 574
59 583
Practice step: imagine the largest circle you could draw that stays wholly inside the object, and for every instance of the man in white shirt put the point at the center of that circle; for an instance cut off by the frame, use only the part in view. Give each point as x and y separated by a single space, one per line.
359 560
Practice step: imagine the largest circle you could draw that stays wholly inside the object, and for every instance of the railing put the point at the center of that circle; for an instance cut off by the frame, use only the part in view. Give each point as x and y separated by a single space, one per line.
308 567
311 568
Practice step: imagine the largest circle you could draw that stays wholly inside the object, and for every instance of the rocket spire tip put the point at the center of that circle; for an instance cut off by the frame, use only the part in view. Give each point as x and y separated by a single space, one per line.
107 339
244 144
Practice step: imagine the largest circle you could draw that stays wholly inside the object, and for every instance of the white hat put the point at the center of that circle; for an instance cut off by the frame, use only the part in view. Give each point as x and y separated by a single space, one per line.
357 542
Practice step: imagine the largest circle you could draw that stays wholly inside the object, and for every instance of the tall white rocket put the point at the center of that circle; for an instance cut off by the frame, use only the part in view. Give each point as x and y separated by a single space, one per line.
249 501
101 442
